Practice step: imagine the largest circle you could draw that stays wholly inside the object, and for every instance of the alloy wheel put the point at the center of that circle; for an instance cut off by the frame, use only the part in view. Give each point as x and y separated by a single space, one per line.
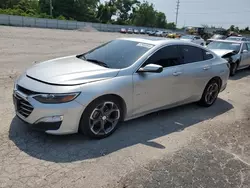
212 93
104 118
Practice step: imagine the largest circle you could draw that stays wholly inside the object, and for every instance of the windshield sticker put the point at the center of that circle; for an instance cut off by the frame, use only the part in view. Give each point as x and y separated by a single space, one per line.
145 45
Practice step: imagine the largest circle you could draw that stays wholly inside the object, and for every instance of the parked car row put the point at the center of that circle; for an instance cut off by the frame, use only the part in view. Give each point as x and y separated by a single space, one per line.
157 33
223 37
131 31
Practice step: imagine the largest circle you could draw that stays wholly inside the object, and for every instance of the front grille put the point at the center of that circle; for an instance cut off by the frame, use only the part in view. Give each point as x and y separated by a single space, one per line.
23 107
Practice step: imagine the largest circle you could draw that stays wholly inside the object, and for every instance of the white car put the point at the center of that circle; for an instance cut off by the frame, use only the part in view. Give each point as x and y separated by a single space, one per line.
194 39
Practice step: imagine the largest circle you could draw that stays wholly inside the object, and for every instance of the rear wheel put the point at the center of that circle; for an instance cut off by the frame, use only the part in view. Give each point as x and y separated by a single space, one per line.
233 68
101 117
210 93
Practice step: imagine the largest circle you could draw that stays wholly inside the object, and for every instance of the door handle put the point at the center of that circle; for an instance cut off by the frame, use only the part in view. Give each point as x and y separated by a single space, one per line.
177 73
206 67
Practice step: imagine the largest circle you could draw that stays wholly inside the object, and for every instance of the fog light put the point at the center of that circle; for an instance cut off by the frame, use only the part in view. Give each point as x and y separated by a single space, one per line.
51 119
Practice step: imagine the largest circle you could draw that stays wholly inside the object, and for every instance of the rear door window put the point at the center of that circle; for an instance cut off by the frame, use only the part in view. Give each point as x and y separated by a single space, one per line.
191 54
166 57
248 45
207 55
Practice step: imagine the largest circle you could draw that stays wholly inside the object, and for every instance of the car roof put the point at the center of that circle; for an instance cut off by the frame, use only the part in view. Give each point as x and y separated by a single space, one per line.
236 37
230 41
157 41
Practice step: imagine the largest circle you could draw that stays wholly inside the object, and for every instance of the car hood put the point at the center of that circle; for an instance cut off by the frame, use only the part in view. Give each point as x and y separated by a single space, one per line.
69 70
221 52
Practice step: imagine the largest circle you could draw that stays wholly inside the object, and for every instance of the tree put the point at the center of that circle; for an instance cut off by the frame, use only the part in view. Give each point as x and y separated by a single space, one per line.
5 4
247 29
106 11
171 25
232 28
237 29
160 21
124 10
144 15
28 6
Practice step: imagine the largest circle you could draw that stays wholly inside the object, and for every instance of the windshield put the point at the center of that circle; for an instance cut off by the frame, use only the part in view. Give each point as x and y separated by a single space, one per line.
117 54
224 46
217 37
187 37
234 38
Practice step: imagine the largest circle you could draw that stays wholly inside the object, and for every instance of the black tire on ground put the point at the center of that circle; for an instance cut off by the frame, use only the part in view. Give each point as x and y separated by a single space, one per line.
214 83
233 68
85 126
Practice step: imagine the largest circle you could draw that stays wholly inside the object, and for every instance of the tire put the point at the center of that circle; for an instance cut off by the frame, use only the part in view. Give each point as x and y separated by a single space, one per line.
212 89
233 68
96 114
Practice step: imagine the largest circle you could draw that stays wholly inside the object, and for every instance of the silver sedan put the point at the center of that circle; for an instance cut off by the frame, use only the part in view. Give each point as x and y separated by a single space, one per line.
117 81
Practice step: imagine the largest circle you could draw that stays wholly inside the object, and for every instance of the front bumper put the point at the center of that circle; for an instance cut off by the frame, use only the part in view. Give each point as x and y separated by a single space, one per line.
51 118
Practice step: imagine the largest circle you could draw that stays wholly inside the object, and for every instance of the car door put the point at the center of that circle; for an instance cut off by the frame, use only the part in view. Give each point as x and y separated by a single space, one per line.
155 90
195 72
244 56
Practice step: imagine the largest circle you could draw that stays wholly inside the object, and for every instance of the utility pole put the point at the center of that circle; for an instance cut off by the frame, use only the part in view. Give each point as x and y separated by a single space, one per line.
177 12
50 7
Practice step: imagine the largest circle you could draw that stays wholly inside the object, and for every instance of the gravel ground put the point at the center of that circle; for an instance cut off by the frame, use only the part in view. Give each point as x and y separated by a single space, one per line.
188 146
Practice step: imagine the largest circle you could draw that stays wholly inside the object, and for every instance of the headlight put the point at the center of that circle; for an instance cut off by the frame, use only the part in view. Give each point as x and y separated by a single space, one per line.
56 98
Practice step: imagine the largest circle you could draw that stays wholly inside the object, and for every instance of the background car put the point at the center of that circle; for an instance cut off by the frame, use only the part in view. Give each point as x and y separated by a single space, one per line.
142 31
193 38
152 33
136 31
130 31
237 53
123 30
237 38
216 37
161 34
117 81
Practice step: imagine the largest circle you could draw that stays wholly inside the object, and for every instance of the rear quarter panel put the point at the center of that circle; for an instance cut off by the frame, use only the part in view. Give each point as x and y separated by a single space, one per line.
221 69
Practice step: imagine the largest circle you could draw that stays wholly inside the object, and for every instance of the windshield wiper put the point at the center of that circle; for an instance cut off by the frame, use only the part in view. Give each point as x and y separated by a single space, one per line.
95 61
98 62
82 56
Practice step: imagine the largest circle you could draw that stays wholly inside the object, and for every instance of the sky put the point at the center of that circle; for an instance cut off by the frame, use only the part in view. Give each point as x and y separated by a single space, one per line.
219 13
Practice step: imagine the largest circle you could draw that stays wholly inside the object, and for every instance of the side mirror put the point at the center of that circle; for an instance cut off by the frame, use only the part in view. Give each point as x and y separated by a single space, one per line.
151 68
244 51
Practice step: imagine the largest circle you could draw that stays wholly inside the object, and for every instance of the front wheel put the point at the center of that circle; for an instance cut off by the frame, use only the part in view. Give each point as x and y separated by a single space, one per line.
210 94
101 117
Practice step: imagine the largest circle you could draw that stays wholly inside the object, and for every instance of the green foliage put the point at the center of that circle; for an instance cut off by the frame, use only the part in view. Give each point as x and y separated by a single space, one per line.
133 12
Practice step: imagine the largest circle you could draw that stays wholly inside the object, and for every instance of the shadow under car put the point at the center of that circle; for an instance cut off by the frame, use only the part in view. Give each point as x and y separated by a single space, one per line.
142 130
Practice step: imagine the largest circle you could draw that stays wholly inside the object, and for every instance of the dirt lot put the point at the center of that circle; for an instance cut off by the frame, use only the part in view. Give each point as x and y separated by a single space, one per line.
184 147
